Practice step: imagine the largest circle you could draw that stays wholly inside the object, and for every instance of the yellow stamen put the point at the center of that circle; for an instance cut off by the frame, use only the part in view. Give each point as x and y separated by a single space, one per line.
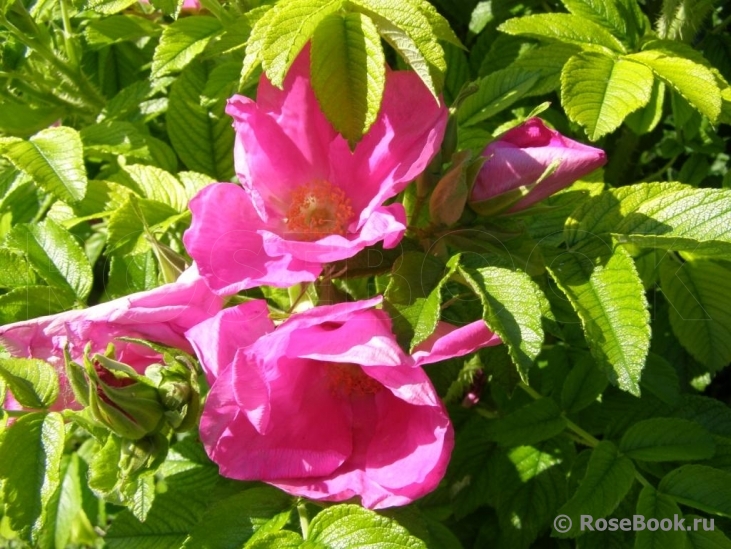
350 380
318 209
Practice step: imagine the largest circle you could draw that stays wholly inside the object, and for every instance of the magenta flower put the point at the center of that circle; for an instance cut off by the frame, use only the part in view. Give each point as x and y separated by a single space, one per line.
161 315
305 198
522 155
327 405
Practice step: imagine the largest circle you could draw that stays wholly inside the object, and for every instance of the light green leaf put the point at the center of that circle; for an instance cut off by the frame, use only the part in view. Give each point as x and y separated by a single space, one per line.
142 496
694 82
126 228
34 383
255 43
232 521
33 301
53 158
539 420
606 13
116 138
699 294
547 60
648 117
584 383
70 518
439 25
118 28
496 92
14 270
32 449
599 92
286 539
292 26
202 137
131 273
55 255
511 308
653 504
352 527
700 487
348 72
605 290
609 476
181 42
409 33
108 7
159 185
667 439
563 27
658 215
23 120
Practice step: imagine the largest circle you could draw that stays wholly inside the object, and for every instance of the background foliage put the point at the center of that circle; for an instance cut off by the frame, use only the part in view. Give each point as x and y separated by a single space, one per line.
613 297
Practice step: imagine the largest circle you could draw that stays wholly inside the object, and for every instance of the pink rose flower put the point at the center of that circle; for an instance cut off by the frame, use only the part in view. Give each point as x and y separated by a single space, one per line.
521 155
305 198
327 405
161 315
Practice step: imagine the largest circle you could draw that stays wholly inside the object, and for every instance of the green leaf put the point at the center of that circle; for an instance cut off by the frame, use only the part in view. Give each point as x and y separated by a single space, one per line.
653 504
118 28
547 60
53 158
511 309
609 476
694 82
702 538
413 296
439 25
348 72
658 215
539 420
700 487
496 93
255 43
563 27
181 42
410 33
202 137
599 92
14 270
131 273
116 138
699 294
22 120
126 227
648 117
291 27
70 518
159 185
33 301
232 521
583 385
32 449
108 7
667 439
352 527
55 255
607 13
34 383
605 290
285 539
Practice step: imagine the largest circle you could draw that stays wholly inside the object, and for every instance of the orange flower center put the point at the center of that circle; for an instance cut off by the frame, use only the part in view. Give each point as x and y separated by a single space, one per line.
318 209
350 380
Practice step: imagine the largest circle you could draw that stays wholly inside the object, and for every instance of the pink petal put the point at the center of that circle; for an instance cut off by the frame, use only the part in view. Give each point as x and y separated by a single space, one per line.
227 248
449 341
217 339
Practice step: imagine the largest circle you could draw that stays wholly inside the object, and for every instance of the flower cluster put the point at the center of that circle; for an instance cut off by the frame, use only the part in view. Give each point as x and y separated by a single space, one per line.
326 404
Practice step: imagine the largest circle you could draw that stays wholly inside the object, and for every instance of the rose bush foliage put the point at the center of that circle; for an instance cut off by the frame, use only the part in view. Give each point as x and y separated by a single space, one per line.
317 273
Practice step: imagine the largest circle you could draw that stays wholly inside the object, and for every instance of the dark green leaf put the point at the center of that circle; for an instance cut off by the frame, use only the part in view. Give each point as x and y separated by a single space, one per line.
667 439
700 487
539 420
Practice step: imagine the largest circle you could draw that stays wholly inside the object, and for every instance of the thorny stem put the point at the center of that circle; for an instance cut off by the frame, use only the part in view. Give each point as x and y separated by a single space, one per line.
580 434
67 34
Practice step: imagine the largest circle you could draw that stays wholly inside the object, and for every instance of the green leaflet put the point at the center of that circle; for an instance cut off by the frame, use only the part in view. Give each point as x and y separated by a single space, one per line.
599 92
30 469
699 294
348 72
496 92
609 476
700 487
563 27
291 26
607 13
653 504
584 383
202 136
159 185
667 439
658 215
694 82
350 522
53 158
55 255
181 42
108 6
538 421
34 383
605 290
